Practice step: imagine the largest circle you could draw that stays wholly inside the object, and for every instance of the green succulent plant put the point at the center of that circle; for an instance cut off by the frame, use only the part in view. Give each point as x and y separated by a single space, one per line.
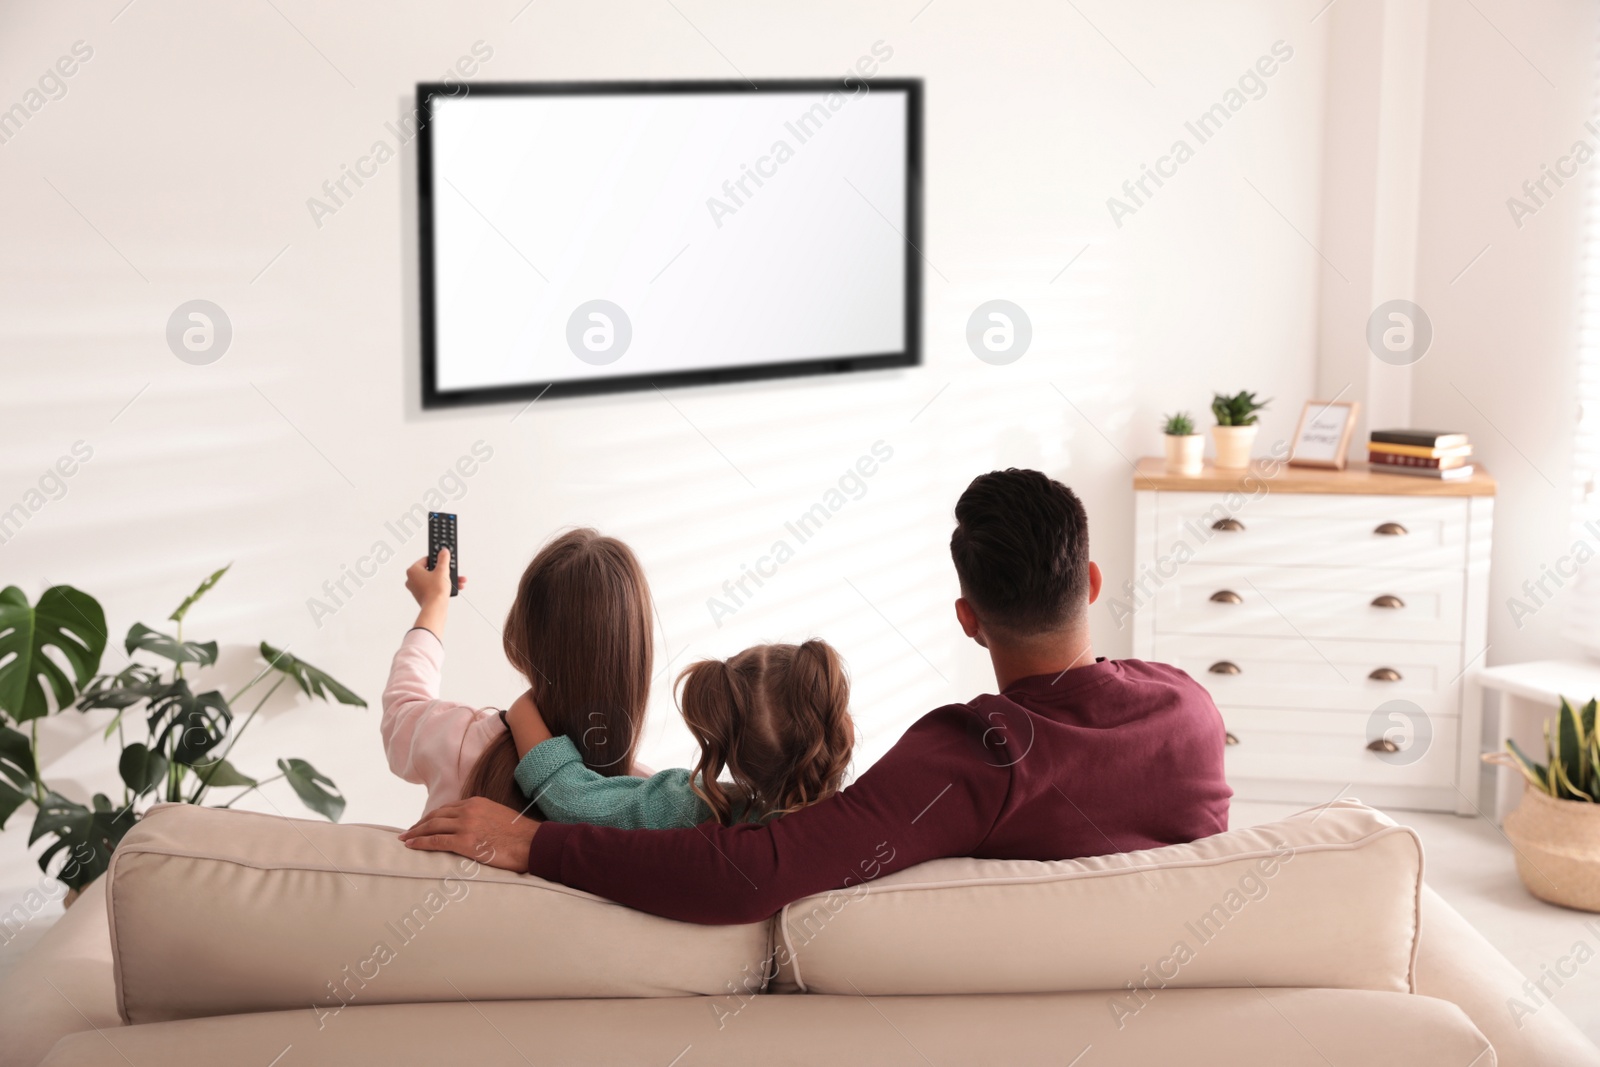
1237 410
1571 770
1180 424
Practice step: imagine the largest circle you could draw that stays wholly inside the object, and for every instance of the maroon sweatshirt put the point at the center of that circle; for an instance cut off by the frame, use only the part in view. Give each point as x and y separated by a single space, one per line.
1113 757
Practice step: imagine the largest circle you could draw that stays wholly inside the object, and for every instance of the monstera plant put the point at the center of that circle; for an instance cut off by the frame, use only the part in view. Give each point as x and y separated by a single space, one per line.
175 744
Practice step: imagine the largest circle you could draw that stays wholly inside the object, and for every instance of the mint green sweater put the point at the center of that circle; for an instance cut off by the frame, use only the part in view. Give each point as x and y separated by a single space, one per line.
553 776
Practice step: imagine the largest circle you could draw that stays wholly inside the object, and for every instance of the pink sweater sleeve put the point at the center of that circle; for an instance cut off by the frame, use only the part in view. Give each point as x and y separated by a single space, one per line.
427 740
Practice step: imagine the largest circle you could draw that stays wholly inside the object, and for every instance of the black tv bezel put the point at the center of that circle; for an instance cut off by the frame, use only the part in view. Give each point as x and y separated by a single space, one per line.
910 356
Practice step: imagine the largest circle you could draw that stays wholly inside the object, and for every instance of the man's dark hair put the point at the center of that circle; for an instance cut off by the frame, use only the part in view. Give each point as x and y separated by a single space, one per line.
1021 549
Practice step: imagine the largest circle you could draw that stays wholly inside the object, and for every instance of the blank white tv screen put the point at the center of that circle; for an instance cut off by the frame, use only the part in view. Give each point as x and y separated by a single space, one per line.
590 237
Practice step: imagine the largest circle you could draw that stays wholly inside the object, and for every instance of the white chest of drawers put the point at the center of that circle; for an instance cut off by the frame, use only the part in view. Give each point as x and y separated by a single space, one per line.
1332 615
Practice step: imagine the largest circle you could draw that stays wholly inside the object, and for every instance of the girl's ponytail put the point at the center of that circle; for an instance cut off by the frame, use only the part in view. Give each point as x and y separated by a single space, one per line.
815 698
712 709
817 685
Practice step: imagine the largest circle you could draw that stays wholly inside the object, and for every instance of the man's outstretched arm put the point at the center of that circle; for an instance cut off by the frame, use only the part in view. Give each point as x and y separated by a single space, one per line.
935 794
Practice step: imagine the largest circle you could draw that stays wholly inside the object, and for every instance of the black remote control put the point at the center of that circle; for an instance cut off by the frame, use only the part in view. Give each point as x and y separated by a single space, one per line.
442 534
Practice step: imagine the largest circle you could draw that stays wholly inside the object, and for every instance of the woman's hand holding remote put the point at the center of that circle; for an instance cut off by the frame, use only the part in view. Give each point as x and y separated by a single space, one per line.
431 590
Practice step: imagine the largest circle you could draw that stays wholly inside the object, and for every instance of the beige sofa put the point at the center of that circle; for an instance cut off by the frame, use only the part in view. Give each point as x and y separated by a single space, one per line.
228 937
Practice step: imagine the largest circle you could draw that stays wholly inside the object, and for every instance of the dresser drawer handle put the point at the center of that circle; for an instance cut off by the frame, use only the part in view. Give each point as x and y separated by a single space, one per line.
1222 666
1385 674
1383 744
1391 529
1228 526
1229 738
1227 596
1388 600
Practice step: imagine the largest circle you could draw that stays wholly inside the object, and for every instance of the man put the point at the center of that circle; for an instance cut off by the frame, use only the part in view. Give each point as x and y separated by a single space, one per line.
1076 756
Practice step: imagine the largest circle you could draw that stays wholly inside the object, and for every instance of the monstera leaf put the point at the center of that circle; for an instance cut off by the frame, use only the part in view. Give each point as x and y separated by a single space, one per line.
141 637
312 681
88 836
194 723
11 798
142 770
65 621
134 684
16 758
221 773
129 686
200 590
17 771
315 789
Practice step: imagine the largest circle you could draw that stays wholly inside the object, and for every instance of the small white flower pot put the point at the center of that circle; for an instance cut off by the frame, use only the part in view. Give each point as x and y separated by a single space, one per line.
1233 445
1186 453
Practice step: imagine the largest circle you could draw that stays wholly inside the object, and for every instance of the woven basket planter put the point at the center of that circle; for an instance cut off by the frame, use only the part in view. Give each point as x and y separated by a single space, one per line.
1558 848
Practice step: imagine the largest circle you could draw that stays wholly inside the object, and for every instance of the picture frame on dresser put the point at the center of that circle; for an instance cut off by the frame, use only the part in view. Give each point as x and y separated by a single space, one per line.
1336 617
1322 436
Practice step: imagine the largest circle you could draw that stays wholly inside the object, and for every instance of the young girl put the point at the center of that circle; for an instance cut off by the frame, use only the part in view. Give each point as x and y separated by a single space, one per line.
775 717
578 631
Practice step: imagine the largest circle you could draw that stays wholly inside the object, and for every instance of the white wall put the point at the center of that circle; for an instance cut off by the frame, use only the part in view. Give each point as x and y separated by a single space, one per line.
178 166
1506 90
1506 98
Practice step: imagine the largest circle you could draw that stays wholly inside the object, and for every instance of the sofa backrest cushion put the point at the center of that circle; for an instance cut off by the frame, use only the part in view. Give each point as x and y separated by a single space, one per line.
215 912
1326 898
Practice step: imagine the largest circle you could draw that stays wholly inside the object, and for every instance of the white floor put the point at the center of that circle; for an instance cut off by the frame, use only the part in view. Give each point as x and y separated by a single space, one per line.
1468 862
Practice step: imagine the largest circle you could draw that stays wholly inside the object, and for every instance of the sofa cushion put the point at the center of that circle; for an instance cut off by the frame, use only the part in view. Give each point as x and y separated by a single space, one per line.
214 912
1325 898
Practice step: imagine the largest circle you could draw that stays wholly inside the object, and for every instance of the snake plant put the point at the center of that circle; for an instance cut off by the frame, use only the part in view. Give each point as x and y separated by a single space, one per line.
1571 770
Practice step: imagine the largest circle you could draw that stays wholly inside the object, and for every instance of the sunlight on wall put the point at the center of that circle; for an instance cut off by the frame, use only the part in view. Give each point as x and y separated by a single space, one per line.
296 455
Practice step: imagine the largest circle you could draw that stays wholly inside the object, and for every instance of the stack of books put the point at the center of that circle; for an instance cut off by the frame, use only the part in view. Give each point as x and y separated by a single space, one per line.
1422 453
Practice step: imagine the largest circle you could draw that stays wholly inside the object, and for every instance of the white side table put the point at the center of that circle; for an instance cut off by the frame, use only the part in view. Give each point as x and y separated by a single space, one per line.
1530 694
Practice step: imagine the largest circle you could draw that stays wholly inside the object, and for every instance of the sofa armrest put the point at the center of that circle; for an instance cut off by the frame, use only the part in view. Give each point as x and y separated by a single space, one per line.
62 986
1456 963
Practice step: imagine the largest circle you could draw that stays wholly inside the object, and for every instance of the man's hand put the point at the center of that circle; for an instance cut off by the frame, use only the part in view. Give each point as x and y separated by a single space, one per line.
479 829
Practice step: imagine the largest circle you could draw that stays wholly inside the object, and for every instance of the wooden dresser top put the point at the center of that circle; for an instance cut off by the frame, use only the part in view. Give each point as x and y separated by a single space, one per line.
1357 479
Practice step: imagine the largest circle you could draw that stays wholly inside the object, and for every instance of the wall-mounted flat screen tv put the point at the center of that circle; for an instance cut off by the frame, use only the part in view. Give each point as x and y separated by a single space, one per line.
595 237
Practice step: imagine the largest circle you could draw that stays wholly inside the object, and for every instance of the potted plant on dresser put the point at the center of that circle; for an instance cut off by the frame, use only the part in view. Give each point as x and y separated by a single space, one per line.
1236 427
1556 828
1186 450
